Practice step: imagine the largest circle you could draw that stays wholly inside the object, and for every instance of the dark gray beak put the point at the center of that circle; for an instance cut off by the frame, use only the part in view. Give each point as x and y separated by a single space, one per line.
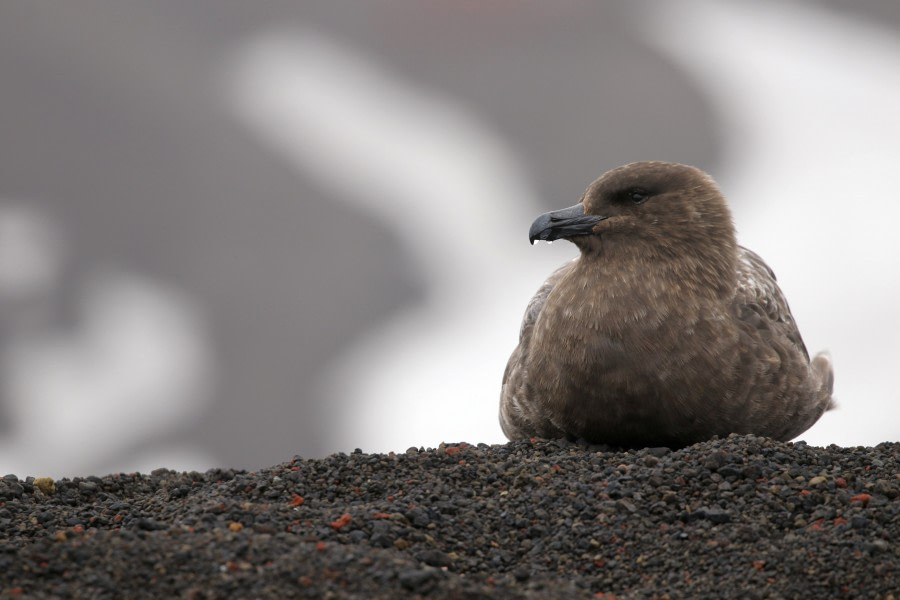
564 223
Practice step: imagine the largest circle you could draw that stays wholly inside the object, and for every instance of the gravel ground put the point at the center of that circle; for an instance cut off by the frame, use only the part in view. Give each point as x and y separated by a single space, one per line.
743 517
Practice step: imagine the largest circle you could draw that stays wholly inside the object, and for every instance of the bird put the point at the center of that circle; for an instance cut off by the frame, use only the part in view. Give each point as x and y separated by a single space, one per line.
663 331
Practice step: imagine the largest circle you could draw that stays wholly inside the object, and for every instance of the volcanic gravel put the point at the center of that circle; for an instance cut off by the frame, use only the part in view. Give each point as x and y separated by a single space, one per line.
742 517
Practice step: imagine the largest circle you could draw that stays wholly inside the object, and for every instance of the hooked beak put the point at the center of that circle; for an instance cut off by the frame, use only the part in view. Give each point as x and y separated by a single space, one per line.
564 223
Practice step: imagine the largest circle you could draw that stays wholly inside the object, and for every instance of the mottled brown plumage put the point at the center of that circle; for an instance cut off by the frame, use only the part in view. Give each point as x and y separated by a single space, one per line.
664 331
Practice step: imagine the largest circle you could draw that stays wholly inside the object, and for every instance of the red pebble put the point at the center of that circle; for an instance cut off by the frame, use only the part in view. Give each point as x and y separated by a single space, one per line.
341 521
840 482
451 450
297 500
864 498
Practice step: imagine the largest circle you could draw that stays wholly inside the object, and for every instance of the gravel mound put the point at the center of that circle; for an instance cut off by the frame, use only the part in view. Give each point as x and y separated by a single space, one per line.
742 517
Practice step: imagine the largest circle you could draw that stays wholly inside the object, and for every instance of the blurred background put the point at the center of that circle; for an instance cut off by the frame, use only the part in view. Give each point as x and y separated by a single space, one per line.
233 232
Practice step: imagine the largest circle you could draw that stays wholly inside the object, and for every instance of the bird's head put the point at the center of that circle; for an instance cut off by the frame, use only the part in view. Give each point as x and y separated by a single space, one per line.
656 208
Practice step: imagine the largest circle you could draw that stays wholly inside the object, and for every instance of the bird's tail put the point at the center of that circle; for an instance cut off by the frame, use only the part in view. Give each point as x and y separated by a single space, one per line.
824 372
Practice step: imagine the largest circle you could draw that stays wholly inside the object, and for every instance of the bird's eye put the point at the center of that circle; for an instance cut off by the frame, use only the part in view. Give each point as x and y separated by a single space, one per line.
638 196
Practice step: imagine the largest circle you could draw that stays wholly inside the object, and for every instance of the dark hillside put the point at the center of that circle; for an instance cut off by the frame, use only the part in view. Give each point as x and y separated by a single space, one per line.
743 517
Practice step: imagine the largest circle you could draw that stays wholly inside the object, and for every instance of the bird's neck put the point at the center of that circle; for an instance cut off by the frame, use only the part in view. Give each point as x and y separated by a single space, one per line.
686 271
641 287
